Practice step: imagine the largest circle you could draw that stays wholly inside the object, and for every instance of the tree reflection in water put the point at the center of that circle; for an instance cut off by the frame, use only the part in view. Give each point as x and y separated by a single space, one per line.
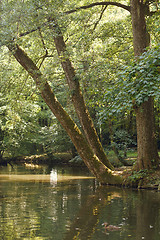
73 207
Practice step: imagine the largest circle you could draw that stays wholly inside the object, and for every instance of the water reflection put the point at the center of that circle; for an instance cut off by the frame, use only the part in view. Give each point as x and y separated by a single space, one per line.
61 206
53 176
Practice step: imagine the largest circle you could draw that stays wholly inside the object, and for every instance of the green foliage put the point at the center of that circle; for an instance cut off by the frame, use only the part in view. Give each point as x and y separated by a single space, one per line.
136 176
122 140
135 84
153 27
55 139
98 48
16 126
143 78
77 161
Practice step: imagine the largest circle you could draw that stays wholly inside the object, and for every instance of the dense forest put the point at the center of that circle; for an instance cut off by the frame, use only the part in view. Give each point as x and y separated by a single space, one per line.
101 60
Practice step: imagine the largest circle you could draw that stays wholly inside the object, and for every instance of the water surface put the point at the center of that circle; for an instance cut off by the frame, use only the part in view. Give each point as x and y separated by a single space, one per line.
65 204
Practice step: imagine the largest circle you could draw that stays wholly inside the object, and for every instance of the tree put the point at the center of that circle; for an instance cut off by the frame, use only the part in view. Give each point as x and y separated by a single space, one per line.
103 173
147 147
87 144
146 137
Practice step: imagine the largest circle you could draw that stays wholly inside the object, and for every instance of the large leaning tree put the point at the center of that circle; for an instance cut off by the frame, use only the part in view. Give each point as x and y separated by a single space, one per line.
87 143
146 136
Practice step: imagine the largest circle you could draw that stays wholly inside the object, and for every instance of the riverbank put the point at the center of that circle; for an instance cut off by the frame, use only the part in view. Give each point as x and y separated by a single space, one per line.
48 159
143 179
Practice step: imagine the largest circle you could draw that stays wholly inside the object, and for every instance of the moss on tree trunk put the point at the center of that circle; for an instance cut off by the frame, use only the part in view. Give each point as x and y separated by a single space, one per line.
77 97
100 171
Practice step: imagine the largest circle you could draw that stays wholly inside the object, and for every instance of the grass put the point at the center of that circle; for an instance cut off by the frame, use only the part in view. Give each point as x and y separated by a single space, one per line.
131 155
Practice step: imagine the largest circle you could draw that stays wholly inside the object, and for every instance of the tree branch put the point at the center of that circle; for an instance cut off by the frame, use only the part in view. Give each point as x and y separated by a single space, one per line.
33 30
103 9
128 8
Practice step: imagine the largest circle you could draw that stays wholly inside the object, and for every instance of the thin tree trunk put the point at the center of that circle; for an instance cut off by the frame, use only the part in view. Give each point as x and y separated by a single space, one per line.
100 171
77 98
146 140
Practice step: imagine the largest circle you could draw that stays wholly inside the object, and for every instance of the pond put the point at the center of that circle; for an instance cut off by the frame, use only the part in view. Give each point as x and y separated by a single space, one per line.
38 202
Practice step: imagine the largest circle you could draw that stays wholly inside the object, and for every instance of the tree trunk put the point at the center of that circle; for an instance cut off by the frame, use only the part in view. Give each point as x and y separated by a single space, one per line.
77 98
146 141
1 144
141 38
100 171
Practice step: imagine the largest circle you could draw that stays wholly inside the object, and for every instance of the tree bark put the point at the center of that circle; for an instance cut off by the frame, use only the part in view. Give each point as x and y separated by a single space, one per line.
140 34
146 140
146 137
77 97
100 171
